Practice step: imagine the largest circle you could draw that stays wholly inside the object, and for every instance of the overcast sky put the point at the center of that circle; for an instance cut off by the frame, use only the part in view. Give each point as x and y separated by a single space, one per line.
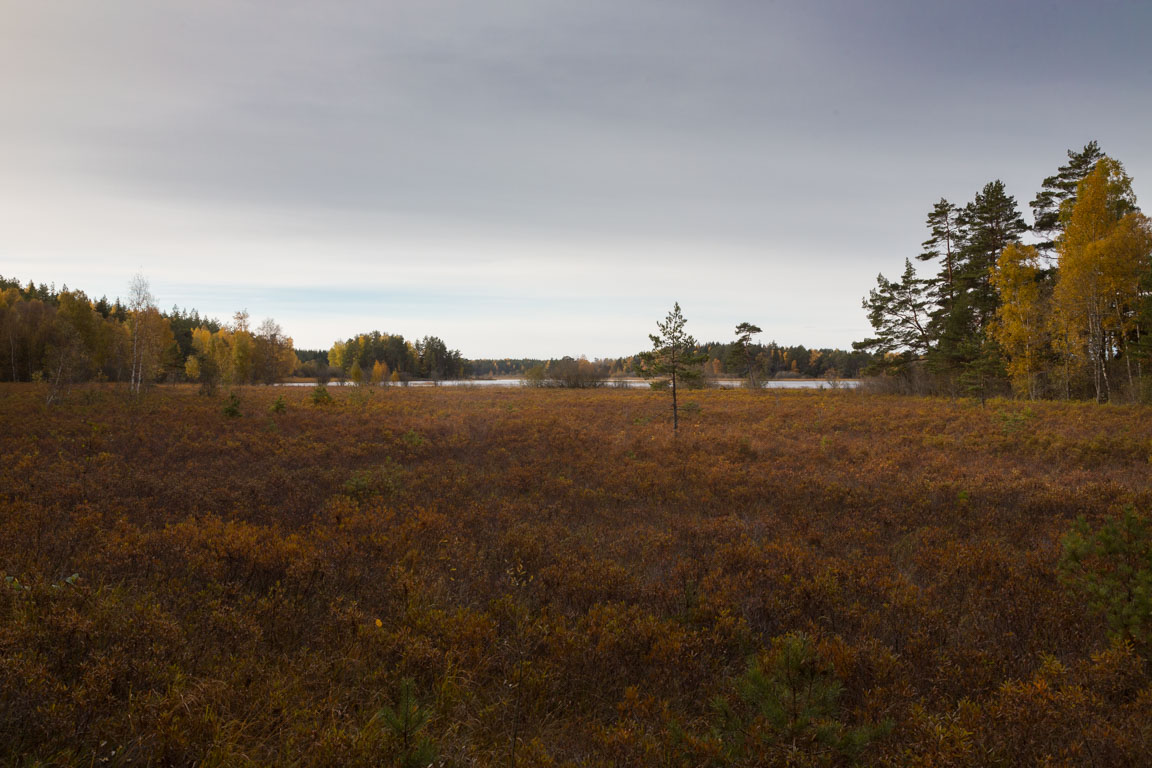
537 177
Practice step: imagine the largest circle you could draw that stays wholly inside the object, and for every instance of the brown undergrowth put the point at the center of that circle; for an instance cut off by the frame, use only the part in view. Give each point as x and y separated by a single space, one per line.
551 578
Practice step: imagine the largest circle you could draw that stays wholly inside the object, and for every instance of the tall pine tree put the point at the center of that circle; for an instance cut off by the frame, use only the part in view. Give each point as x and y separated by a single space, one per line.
899 314
987 225
944 244
1058 193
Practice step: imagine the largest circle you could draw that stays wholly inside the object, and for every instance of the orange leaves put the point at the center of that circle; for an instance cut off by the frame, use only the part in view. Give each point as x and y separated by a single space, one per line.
1021 326
552 558
1104 257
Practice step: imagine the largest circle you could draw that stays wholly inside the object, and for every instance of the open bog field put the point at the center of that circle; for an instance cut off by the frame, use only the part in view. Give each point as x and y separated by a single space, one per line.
548 577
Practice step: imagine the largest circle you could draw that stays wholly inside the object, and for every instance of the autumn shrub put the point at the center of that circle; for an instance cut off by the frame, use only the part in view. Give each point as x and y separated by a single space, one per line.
565 583
570 373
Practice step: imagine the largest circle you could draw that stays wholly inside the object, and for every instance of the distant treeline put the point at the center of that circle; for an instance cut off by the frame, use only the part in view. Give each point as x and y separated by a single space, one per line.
63 337
1067 315
769 360
375 357
41 328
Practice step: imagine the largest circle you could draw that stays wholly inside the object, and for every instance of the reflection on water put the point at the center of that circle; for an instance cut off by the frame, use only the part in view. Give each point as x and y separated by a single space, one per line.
614 384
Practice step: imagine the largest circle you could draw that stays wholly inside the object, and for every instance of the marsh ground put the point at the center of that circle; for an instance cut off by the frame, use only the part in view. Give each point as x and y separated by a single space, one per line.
564 582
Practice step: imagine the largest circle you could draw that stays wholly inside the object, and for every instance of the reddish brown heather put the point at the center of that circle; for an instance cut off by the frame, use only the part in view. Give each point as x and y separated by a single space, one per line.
564 581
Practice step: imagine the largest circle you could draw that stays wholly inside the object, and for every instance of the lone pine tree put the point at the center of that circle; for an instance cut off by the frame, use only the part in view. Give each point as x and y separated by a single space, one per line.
674 355
741 354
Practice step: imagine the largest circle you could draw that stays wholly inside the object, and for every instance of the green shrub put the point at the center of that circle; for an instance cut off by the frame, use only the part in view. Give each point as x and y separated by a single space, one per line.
384 480
1112 566
413 438
320 395
789 700
400 728
232 407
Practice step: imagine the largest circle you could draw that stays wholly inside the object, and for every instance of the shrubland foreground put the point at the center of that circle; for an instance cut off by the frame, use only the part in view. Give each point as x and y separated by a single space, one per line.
455 577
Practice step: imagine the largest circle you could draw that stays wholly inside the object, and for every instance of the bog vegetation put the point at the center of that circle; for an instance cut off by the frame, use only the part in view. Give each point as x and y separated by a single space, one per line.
550 577
368 576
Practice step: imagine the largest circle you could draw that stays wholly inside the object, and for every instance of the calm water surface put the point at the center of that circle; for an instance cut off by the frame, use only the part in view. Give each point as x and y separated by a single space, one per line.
618 384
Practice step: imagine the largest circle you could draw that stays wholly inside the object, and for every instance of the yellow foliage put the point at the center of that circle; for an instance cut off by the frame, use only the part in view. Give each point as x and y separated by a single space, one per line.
1102 259
192 368
1020 326
336 355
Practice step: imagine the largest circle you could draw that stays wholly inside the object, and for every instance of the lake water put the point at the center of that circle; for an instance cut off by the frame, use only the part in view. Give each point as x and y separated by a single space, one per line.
617 384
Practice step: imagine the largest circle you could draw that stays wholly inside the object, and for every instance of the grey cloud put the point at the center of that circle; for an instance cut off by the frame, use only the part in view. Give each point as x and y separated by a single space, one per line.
820 130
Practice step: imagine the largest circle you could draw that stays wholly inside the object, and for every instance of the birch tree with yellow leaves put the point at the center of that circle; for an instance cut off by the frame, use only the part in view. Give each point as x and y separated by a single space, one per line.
1021 325
1104 259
